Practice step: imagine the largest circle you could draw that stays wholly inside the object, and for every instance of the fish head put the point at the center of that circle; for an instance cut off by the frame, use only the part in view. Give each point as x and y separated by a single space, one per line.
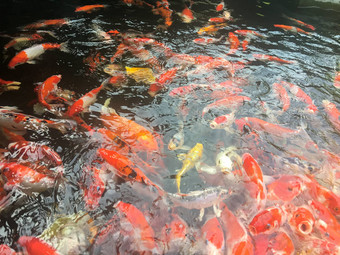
302 221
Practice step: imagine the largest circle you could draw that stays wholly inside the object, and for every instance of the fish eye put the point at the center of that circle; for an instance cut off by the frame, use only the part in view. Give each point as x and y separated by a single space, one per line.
268 226
336 209
297 215
98 188
246 129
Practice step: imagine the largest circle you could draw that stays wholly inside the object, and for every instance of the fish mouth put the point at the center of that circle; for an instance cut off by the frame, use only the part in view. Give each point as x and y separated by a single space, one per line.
305 227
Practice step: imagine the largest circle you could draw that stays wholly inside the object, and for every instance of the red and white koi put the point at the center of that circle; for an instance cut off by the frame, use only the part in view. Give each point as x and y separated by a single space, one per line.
336 82
28 55
255 175
264 57
282 95
213 235
292 29
206 41
222 121
36 246
267 221
234 43
285 188
6 250
46 88
236 237
276 243
220 6
163 80
231 102
83 103
333 114
301 96
186 15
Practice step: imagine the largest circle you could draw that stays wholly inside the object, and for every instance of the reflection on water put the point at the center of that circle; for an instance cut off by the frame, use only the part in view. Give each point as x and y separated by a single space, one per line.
235 105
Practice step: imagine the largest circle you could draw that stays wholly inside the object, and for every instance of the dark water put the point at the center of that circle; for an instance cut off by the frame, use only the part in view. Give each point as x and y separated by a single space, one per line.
317 60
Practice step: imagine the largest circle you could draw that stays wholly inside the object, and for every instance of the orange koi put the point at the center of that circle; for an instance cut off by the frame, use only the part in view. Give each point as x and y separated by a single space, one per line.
35 152
211 29
234 43
220 6
213 234
337 80
6 250
292 29
139 225
29 54
124 168
254 173
90 8
333 114
231 102
302 221
186 15
164 79
264 57
302 23
261 125
22 40
18 175
301 96
85 101
236 238
49 22
218 20
36 246
282 95
93 187
137 136
267 221
323 216
285 188
46 88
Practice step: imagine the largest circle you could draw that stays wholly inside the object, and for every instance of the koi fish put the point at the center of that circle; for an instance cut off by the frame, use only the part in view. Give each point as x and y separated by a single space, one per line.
333 114
232 102
36 246
186 15
213 234
264 57
28 55
261 125
162 9
83 103
11 136
220 6
93 187
217 20
301 23
206 41
234 43
254 173
135 135
222 121
323 216
211 29
301 96
282 95
337 80
46 88
8 85
126 169
280 243
199 199
177 141
90 8
46 23
292 29
139 226
20 176
164 79
236 237
267 221
18 122
302 221
248 33
189 161
22 41
6 250
285 188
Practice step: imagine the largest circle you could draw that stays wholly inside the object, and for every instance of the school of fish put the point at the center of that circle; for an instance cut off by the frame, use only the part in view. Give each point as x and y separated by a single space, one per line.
272 190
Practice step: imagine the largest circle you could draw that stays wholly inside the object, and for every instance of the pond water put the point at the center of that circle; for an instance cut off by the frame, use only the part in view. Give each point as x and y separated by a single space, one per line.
265 177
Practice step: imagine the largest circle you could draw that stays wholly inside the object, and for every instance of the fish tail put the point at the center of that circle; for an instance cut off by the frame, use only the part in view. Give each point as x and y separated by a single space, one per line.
64 47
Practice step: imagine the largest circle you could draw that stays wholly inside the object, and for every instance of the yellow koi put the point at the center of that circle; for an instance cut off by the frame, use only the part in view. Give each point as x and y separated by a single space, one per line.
189 161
